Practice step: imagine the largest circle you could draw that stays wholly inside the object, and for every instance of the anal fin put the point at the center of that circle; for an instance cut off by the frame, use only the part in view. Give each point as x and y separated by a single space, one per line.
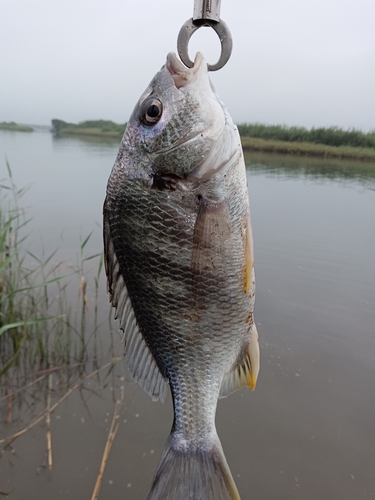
244 374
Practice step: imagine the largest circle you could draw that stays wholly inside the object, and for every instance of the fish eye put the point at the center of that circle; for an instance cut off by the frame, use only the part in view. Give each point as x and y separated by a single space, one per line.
151 111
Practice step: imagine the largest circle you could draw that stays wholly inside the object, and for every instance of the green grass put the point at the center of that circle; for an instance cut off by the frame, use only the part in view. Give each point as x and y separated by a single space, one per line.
94 128
308 149
14 127
332 136
39 327
330 142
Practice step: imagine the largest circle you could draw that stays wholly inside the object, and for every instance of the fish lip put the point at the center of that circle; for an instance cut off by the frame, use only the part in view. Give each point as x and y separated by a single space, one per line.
179 72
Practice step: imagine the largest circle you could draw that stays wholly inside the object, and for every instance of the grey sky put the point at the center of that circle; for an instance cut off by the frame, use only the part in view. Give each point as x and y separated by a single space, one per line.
298 62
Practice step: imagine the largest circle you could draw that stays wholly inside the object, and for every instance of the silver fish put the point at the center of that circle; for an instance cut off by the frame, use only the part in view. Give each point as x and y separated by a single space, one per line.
180 268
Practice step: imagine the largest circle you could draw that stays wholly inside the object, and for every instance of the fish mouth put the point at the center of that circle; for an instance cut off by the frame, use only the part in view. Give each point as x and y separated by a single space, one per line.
181 74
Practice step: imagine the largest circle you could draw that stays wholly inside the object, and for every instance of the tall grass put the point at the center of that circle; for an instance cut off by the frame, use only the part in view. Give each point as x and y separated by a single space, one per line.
39 327
332 136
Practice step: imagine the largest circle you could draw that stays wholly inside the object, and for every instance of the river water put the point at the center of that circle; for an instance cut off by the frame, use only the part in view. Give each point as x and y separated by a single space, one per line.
308 430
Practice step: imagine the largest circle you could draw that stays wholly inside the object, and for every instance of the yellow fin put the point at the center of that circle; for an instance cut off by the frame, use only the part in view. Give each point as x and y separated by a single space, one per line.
244 374
254 357
249 254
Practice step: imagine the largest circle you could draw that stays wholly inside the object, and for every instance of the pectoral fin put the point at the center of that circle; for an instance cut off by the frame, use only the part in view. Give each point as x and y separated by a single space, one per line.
138 358
244 374
212 250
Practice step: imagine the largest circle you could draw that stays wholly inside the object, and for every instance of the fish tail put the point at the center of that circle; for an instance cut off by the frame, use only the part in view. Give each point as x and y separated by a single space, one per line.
199 474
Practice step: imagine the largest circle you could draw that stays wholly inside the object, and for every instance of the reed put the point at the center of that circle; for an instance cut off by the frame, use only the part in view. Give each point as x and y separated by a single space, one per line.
115 424
39 327
47 351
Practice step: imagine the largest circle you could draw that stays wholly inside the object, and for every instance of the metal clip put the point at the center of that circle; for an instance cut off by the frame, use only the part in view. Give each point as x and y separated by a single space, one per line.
206 13
206 10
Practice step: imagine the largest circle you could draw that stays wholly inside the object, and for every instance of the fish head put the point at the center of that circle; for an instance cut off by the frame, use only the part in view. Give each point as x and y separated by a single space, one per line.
177 121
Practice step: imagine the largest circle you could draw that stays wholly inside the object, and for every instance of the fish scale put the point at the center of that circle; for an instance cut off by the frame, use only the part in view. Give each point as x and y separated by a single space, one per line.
162 305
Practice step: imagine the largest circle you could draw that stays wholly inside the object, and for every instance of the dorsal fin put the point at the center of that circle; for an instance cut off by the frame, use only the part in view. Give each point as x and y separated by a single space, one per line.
138 358
244 374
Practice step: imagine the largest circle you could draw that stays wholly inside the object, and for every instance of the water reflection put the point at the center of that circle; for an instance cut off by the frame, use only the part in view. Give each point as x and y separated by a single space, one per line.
313 168
93 144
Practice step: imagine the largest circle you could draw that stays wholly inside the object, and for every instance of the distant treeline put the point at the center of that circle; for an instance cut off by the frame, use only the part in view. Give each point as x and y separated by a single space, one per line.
88 127
332 136
15 127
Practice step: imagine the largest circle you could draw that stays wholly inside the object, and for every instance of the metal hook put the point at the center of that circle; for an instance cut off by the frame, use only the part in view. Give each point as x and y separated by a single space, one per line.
206 13
224 35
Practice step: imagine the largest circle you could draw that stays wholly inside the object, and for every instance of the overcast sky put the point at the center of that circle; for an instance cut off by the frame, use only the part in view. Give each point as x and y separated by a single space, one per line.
295 62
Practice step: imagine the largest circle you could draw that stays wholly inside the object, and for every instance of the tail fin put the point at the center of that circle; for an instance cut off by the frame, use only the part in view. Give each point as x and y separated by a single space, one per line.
201 474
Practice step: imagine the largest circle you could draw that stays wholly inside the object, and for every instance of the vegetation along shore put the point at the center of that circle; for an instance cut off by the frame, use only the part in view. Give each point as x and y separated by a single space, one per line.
330 142
15 127
96 128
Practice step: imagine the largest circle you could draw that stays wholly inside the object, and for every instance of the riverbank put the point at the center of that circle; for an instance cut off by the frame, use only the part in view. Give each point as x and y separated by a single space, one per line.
15 127
330 142
308 149
90 132
324 143
89 128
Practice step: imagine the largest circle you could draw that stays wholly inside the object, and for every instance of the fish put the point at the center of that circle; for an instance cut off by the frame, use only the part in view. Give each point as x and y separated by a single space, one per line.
179 261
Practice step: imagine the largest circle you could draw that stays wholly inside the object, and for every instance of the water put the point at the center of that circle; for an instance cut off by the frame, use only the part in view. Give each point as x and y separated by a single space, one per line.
308 431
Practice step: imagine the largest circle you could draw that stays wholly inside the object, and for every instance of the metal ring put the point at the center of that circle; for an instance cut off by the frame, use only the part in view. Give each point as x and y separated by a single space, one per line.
224 35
